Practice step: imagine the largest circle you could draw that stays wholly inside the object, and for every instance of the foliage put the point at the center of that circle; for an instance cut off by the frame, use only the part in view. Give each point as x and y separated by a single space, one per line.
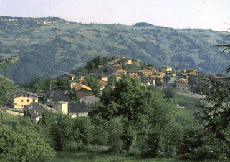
62 84
99 156
215 112
140 114
93 64
39 84
91 81
66 133
6 85
170 92
21 142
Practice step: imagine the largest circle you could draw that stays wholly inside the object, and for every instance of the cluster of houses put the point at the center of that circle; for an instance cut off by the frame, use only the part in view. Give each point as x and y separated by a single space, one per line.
185 81
56 101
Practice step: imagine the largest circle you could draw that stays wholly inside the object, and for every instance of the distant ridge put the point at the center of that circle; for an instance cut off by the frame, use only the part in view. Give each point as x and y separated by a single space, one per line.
143 24
47 46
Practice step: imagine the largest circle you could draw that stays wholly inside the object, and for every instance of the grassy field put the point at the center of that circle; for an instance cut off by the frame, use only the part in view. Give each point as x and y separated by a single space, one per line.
100 157
186 101
108 157
8 118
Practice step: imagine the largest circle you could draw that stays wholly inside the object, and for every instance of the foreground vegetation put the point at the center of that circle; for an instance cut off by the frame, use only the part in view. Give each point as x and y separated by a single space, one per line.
132 121
98 156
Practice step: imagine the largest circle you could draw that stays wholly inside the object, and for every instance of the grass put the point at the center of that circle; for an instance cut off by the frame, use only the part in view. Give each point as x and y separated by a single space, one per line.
98 156
9 118
101 157
186 101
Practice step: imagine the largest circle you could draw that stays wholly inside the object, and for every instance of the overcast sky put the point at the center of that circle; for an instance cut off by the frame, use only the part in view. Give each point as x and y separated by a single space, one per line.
205 14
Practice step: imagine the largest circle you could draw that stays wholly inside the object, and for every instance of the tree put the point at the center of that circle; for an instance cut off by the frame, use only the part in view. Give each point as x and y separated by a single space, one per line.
215 110
65 133
5 85
142 113
22 143
169 92
91 81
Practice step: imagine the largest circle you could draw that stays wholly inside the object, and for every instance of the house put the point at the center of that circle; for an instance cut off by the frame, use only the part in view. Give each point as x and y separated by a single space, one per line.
180 72
148 81
121 71
136 63
132 72
129 62
117 66
166 68
61 107
144 72
72 83
55 96
99 67
190 71
153 69
67 77
182 85
81 91
134 75
160 74
35 111
89 100
104 78
21 98
117 76
102 84
78 109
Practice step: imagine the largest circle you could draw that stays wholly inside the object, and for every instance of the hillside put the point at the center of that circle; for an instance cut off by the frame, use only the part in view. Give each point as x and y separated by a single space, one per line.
51 46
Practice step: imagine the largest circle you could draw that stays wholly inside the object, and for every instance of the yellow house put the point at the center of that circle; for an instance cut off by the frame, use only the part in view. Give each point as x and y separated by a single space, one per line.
22 99
81 90
129 62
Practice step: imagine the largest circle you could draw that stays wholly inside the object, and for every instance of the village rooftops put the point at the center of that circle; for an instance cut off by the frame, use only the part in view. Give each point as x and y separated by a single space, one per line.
102 82
35 109
56 96
166 67
117 75
78 108
117 65
23 93
183 80
79 86
121 71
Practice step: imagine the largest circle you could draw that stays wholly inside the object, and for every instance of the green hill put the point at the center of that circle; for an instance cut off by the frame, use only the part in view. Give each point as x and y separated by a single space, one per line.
51 46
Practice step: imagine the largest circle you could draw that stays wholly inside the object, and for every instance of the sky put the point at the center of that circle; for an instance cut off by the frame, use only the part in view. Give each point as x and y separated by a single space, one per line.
202 14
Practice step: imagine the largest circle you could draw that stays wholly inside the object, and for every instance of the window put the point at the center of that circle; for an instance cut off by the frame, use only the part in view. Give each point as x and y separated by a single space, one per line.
22 105
28 100
21 100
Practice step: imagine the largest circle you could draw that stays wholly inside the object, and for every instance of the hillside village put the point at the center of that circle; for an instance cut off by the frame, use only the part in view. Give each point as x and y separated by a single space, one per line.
75 95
